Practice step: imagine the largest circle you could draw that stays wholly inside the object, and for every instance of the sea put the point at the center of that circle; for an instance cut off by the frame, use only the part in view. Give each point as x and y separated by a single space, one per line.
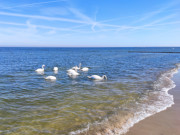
137 85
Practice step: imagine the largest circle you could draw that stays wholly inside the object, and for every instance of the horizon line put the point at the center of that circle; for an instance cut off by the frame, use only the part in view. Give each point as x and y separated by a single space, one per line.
81 46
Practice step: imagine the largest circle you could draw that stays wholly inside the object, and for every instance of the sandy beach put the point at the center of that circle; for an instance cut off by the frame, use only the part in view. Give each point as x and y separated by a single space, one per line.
164 123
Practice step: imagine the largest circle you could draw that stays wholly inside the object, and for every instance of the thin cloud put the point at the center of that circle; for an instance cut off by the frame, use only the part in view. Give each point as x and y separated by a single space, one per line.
146 26
84 17
12 23
160 20
84 21
173 22
80 15
54 11
30 25
44 17
118 27
94 24
32 4
156 12
149 15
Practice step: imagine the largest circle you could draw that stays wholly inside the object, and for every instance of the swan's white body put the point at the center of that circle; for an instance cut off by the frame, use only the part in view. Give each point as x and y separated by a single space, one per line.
55 68
85 69
56 72
52 78
40 70
97 77
72 72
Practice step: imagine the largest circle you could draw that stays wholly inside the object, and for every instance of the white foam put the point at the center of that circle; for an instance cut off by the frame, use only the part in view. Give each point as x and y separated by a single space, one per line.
164 101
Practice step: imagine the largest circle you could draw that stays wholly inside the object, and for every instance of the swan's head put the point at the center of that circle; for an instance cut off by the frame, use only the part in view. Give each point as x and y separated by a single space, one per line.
104 77
43 66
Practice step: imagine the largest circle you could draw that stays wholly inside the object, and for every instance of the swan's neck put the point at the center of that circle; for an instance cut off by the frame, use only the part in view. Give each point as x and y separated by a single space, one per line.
79 65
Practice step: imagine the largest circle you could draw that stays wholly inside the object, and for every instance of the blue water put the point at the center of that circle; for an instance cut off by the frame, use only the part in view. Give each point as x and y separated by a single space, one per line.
31 105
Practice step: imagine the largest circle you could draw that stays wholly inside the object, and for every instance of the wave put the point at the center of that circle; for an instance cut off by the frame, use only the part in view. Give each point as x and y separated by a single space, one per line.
155 101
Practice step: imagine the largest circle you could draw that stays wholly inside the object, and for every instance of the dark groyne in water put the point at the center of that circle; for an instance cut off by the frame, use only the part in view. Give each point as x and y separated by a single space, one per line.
149 52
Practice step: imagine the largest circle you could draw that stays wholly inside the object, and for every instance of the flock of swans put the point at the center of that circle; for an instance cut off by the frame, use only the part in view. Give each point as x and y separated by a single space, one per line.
73 72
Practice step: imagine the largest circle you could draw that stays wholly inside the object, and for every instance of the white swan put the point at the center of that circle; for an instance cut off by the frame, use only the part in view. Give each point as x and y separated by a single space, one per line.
55 68
72 72
51 78
97 77
40 69
76 67
85 69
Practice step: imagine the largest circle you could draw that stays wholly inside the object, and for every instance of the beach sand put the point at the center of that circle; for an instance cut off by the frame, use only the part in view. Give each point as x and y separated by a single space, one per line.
164 123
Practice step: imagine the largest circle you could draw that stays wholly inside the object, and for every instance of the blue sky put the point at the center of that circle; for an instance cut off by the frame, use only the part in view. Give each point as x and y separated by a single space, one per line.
90 23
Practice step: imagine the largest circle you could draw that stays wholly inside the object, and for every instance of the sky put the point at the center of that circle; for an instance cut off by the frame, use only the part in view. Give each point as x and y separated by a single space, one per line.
89 23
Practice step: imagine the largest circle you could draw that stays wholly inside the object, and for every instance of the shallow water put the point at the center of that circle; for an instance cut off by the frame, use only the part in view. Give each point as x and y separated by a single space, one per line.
31 105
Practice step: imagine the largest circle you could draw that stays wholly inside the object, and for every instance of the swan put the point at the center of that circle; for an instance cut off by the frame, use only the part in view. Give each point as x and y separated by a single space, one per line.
72 72
97 77
85 69
52 78
40 69
55 68
76 67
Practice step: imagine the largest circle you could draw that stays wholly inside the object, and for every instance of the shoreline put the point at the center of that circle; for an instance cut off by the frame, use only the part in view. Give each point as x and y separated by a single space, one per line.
165 122
155 103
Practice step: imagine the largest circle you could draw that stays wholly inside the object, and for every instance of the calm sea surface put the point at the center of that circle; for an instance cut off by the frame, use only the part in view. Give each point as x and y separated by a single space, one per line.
31 105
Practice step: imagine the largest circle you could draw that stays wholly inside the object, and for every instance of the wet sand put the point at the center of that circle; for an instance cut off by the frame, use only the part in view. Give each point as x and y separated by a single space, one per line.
164 123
